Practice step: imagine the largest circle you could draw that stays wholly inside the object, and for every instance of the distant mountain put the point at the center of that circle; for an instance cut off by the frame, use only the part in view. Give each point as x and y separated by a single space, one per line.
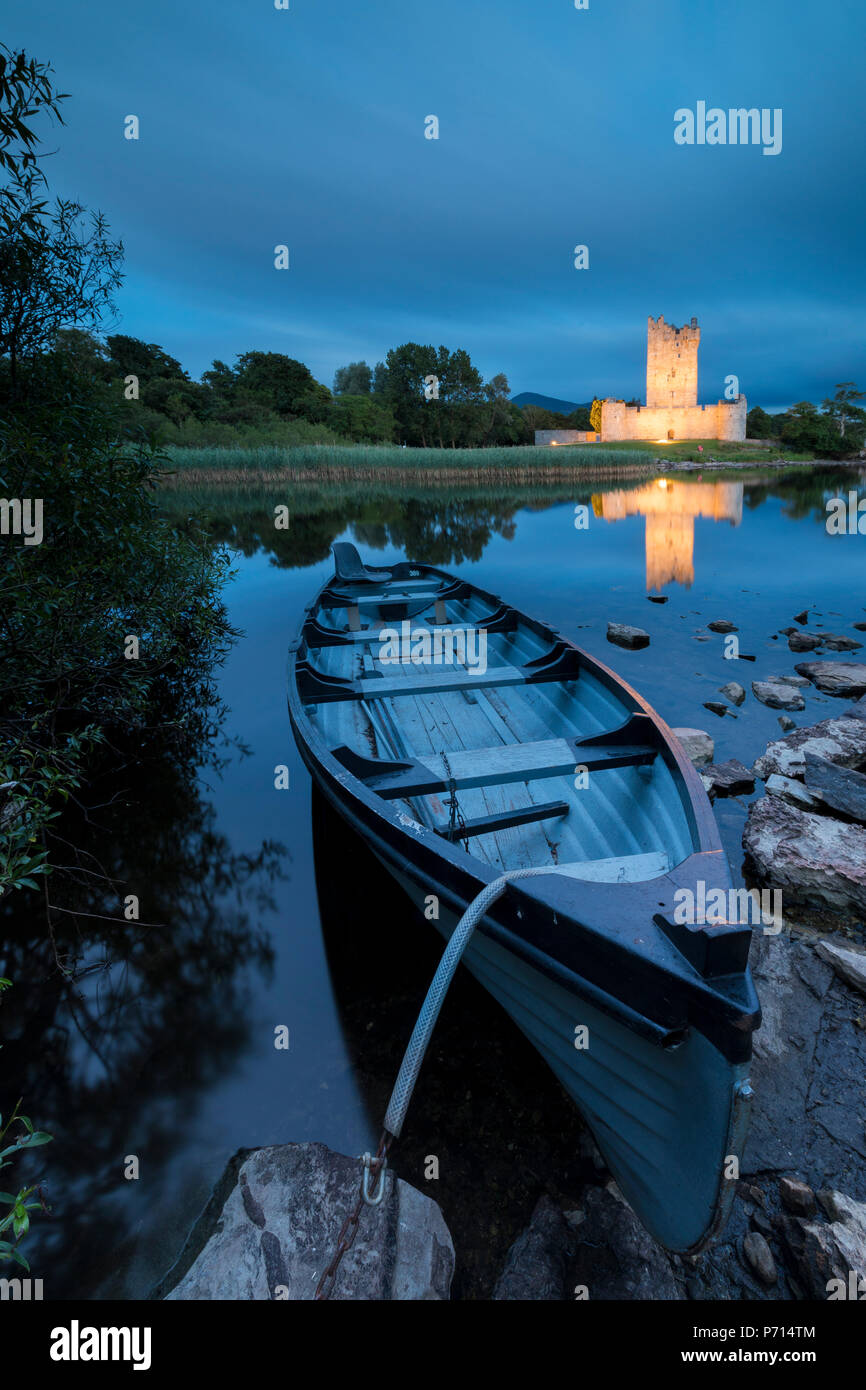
548 402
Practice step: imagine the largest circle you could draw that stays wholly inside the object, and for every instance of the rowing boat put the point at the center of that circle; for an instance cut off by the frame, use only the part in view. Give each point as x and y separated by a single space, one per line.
465 740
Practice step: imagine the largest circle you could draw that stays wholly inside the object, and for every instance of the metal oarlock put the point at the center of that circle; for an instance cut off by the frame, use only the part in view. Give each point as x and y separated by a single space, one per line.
368 1161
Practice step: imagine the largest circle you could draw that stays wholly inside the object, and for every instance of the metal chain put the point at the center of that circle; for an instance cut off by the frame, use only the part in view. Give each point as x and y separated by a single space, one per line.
325 1285
455 816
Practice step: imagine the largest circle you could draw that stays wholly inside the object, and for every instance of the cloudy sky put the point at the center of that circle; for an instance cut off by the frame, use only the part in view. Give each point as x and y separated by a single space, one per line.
306 127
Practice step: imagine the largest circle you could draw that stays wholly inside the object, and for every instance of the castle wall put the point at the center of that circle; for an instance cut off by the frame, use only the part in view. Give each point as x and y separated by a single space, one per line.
566 437
724 420
672 364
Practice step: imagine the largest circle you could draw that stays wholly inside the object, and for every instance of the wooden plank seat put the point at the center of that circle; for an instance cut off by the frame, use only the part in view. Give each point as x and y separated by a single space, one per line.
317 635
504 820
561 663
399 595
490 767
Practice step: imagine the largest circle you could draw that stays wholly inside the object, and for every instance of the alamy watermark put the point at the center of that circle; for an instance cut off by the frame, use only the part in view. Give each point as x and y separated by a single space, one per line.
22 516
718 907
736 126
440 646
846 516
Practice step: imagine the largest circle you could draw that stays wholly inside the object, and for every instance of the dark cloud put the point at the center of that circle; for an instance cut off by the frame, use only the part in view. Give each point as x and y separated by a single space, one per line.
306 127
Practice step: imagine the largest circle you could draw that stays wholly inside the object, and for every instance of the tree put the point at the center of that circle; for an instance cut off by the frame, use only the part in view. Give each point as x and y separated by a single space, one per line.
841 407
760 425
282 383
362 418
147 361
59 268
595 416
380 379
354 380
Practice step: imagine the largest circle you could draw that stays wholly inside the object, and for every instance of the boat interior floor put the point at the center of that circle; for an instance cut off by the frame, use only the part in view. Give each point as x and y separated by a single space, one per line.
508 783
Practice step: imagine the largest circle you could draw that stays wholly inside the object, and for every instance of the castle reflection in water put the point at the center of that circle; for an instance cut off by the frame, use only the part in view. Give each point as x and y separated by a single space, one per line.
670 509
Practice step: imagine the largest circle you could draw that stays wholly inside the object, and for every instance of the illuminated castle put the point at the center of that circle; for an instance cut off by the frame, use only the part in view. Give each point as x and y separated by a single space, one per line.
671 411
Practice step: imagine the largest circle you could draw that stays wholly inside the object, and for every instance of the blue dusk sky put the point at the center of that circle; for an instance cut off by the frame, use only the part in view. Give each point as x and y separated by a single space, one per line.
306 127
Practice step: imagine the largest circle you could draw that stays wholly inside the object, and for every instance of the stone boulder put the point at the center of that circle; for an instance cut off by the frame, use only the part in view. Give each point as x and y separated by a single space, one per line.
841 740
536 1267
835 677
839 788
803 642
838 642
778 696
697 744
615 1257
629 637
728 779
816 861
734 692
848 962
273 1224
830 1259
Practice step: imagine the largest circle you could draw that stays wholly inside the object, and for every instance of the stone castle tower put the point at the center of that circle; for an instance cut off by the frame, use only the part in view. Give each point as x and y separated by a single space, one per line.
671 411
671 364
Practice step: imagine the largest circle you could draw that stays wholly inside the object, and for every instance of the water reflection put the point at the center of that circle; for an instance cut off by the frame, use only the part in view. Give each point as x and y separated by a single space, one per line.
114 1051
455 524
670 508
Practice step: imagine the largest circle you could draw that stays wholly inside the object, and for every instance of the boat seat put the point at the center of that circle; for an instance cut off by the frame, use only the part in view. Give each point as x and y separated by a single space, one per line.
505 820
350 568
491 767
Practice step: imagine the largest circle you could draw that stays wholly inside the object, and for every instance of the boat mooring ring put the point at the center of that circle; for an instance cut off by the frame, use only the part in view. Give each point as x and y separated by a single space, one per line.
373 1200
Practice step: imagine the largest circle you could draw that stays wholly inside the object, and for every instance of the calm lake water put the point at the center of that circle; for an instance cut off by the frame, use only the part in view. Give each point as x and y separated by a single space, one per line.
169 1054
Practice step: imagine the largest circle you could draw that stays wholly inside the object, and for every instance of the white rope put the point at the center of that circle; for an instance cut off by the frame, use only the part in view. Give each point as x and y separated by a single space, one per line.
419 1041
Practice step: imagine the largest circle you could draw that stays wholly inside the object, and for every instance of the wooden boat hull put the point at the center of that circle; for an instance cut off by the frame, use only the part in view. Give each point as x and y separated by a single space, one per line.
645 1022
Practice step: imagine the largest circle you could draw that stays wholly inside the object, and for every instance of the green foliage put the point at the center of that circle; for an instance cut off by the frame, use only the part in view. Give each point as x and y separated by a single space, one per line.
354 380
760 425
17 1217
362 418
108 567
595 416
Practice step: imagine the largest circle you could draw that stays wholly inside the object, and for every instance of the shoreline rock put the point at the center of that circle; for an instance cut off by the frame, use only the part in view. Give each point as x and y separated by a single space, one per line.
274 1231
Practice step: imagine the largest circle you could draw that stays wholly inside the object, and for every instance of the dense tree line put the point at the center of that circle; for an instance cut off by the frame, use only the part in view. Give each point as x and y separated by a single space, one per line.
420 395
837 430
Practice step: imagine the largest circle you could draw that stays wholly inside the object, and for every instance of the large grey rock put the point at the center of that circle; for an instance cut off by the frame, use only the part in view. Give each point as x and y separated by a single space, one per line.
830 1259
839 788
697 744
842 740
835 677
808 1070
734 692
728 779
537 1263
838 642
849 963
799 681
816 861
858 710
278 1229
777 696
615 1257
803 642
792 790
624 636
722 625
